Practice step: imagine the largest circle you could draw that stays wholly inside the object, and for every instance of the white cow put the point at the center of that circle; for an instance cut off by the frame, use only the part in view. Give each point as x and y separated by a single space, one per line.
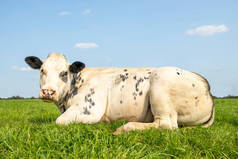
146 97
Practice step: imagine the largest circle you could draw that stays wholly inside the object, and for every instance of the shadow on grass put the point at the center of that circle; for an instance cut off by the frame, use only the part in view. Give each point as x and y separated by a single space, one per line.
42 120
230 121
234 122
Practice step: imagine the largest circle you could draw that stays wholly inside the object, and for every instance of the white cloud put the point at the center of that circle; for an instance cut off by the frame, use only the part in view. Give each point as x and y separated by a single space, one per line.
64 13
85 45
208 30
87 11
22 69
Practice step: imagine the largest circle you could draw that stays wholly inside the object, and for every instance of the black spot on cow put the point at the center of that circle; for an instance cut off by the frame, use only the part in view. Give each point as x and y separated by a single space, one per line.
120 101
193 85
86 112
73 82
62 108
134 94
141 93
73 88
138 83
146 78
123 77
76 78
125 70
76 83
66 98
122 87
88 98
64 76
61 104
92 90
134 77
178 73
74 91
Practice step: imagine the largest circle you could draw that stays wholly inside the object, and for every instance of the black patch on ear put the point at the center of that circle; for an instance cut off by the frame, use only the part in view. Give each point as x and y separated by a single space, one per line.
33 61
76 67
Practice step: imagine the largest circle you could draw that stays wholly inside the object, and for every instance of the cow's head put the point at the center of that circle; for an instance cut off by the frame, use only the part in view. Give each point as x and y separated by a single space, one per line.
55 75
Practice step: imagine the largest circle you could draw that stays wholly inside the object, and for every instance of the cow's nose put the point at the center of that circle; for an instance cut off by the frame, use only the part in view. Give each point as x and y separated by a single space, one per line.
48 93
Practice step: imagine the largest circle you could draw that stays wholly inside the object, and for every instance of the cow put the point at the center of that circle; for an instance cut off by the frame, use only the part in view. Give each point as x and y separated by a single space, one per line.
161 98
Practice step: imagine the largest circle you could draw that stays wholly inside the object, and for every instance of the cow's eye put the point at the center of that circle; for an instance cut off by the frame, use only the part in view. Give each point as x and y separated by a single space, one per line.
64 73
42 71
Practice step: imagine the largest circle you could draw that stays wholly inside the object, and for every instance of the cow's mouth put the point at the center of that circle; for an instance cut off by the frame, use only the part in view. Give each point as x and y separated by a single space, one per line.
48 100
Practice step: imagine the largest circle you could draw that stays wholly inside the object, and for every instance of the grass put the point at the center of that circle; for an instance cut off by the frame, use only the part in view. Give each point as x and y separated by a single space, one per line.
28 130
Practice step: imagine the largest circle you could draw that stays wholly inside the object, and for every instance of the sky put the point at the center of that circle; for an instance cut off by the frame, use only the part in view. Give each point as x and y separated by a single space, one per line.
199 36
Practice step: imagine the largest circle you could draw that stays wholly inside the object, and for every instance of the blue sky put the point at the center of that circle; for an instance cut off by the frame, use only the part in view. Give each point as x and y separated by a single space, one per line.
200 36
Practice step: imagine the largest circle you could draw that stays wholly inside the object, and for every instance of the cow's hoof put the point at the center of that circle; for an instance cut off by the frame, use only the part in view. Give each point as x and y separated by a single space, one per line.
60 121
119 130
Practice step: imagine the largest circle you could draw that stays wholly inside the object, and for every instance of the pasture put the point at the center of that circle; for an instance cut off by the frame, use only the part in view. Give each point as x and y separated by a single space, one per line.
28 130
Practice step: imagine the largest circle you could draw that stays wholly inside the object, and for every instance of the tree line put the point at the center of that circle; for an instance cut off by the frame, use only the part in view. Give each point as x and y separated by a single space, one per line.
226 97
19 97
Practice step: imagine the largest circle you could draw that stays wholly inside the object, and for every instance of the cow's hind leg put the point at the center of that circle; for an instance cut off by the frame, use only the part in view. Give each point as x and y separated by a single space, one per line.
163 110
165 117
134 126
169 122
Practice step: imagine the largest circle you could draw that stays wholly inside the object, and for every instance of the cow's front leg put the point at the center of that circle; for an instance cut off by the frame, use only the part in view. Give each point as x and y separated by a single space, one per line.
76 114
69 116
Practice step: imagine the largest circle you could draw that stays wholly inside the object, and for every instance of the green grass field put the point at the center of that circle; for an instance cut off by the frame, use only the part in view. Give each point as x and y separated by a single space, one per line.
28 130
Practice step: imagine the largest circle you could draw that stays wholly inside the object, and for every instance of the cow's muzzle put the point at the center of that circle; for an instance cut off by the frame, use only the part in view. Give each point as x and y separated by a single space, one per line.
48 95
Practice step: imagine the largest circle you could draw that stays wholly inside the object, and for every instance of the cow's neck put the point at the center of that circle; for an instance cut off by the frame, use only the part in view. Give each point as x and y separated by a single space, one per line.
62 101
74 83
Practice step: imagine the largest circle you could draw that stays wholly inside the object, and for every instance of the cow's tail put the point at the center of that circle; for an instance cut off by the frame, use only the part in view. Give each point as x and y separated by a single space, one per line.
211 119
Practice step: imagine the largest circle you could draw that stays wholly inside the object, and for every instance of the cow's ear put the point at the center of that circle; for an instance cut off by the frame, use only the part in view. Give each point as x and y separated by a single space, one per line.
33 61
76 67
